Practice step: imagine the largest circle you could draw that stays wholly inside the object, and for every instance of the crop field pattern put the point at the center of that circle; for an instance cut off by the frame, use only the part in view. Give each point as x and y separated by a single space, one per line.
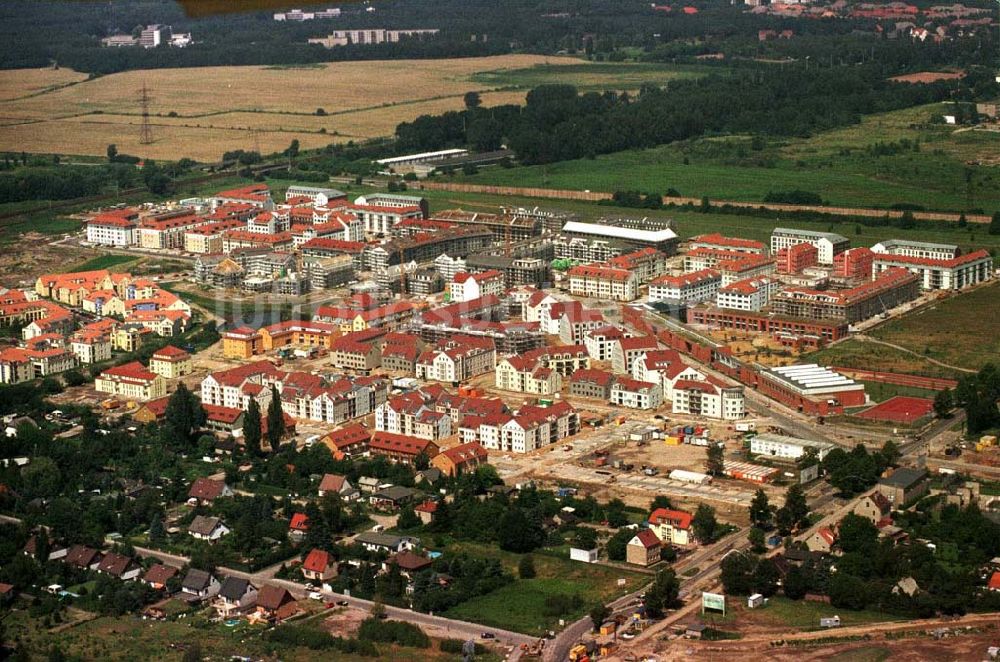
200 113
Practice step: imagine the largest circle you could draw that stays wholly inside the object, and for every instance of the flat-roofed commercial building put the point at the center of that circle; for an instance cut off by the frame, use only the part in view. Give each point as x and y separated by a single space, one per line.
631 232
789 448
816 382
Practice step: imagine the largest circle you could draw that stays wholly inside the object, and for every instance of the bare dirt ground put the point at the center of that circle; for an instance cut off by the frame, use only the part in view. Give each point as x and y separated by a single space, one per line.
21 267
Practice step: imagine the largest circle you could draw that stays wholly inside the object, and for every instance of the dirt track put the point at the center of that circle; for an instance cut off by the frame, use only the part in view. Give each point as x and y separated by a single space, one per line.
595 196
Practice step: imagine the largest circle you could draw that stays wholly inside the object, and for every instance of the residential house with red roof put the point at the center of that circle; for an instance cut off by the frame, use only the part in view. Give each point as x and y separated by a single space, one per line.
132 381
627 351
525 375
468 287
334 484
461 459
821 540
457 358
207 490
691 287
319 566
158 575
298 527
401 448
349 441
591 383
413 414
671 526
275 604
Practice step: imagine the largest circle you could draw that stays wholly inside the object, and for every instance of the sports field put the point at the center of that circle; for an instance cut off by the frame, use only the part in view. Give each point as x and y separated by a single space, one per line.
899 409
202 112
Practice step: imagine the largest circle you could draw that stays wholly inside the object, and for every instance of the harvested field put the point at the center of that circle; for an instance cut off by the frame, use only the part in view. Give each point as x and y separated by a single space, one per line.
928 76
200 113
32 81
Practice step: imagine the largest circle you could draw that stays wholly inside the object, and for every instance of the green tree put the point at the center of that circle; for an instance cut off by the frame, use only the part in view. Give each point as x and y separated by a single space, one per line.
408 519
112 152
761 511
615 513
766 577
182 413
585 538
472 100
737 572
156 532
857 534
714 459
944 402
617 547
293 149
704 524
275 420
251 429
598 614
757 540
526 567
661 501
795 511
421 461
42 478
890 453
662 595
995 223
517 533
796 583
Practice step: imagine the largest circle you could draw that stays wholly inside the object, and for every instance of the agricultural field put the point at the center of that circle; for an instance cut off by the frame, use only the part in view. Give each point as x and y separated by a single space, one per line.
199 113
835 164
959 331
592 76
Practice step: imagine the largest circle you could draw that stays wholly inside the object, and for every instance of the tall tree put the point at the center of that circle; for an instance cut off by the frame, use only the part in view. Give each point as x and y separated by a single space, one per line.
761 511
794 512
662 595
661 501
526 567
598 614
184 413
472 100
944 402
704 524
275 420
251 429
715 459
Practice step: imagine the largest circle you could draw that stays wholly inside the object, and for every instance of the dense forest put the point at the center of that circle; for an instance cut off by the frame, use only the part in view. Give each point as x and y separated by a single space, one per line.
37 34
558 123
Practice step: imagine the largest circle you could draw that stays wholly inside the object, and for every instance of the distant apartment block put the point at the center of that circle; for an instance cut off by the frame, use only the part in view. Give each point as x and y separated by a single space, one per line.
370 37
828 244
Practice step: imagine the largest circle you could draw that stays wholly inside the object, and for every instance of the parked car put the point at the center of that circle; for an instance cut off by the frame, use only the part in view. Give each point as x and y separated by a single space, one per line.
488 635
315 595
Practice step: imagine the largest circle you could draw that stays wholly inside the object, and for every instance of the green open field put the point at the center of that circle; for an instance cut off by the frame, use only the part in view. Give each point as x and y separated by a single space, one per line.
782 612
520 606
107 261
960 331
853 353
592 75
833 164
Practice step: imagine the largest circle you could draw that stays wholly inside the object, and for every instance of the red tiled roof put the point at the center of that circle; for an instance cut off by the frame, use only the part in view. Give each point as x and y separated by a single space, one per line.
647 538
171 353
465 453
348 436
299 522
689 278
317 561
132 371
206 489
599 377
931 262
600 271
677 518
398 443
332 483
717 239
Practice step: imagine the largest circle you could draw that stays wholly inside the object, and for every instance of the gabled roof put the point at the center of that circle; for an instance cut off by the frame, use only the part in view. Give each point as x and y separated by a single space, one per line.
317 560
332 483
159 574
647 538
299 522
114 564
196 580
464 453
234 588
409 561
206 489
398 443
203 525
676 518
273 598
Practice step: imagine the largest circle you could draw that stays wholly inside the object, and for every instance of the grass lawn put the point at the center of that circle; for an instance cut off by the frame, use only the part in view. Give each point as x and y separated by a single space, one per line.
864 654
520 606
592 76
781 611
879 391
834 164
957 331
107 261
869 356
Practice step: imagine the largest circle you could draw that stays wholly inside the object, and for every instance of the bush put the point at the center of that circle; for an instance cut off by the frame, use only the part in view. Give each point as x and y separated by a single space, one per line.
296 635
796 197
393 632
74 378
455 646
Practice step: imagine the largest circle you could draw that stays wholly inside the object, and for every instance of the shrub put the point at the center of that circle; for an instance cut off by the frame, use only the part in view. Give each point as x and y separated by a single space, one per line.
393 632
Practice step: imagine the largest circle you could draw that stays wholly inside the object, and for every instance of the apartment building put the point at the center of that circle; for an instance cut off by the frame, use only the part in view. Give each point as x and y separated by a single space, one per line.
521 374
132 381
591 384
708 397
171 362
687 288
371 36
603 282
854 263
922 249
797 257
828 244
717 241
890 289
114 229
413 414
167 230
457 359
748 294
937 274
526 430
631 393
468 287
627 351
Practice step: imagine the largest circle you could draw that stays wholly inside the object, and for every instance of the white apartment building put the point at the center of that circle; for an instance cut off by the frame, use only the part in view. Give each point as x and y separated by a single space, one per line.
708 397
687 288
954 274
602 282
469 287
790 448
112 231
631 393
749 294
921 249
827 244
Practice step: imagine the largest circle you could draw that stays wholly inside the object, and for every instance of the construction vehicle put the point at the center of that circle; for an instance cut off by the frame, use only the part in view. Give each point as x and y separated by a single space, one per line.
533 650
578 653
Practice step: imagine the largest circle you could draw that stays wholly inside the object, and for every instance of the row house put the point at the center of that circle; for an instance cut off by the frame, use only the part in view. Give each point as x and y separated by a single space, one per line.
603 282
631 393
390 316
345 442
626 351
462 459
600 342
690 287
234 387
413 414
518 373
400 448
208 239
457 359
